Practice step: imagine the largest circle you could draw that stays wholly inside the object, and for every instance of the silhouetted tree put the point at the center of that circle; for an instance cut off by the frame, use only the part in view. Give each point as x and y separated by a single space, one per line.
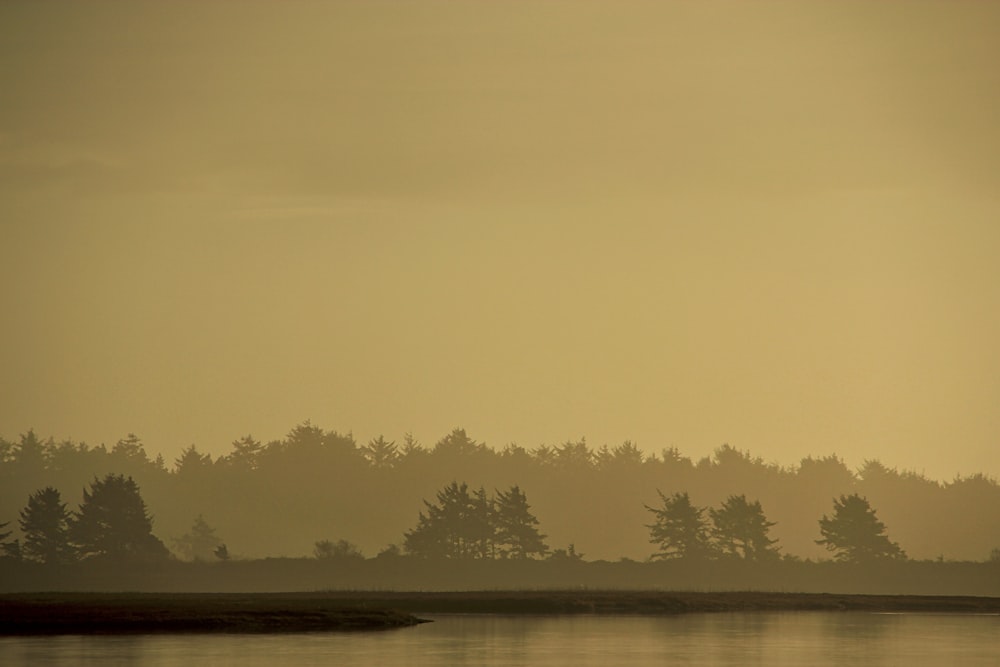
192 463
411 446
130 453
679 530
341 549
458 526
574 455
199 543
381 454
457 444
544 455
244 454
482 531
624 456
30 454
112 522
740 529
516 528
854 532
45 526
8 549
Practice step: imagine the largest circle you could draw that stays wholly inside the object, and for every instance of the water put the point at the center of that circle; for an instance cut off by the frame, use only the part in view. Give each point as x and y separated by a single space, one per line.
804 638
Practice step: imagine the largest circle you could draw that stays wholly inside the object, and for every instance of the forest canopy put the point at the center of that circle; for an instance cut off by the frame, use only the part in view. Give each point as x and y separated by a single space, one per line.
280 498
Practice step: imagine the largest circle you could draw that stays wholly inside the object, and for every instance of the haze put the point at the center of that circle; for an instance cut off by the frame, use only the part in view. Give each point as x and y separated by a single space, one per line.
772 225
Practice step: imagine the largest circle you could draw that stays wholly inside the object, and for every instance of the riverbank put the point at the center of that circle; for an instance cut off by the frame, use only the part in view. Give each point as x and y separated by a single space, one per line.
658 602
89 613
97 613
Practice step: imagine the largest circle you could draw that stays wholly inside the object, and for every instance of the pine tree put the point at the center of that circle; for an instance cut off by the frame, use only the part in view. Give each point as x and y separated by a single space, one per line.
679 530
200 543
517 533
245 454
444 531
45 525
740 530
460 525
855 534
113 522
381 454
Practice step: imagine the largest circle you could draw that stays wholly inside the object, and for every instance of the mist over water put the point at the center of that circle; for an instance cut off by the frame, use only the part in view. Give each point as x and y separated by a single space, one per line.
491 641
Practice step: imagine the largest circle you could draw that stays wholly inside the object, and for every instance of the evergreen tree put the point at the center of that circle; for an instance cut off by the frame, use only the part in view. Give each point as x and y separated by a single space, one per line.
200 543
740 529
679 530
517 533
855 533
45 525
113 522
8 549
245 453
192 463
458 526
381 454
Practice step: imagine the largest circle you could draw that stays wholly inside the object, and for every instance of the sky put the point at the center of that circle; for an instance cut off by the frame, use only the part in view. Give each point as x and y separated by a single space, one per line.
773 224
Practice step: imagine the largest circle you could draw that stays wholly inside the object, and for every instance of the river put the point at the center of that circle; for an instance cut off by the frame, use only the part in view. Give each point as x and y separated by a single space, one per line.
790 638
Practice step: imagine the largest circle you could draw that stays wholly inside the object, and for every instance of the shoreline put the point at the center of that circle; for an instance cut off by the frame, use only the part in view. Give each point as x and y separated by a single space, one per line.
131 613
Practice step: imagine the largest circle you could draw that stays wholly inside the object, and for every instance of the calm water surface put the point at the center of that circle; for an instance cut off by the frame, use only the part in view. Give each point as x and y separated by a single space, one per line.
802 638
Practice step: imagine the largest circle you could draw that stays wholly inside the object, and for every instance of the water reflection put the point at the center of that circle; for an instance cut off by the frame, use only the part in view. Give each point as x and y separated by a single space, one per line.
696 639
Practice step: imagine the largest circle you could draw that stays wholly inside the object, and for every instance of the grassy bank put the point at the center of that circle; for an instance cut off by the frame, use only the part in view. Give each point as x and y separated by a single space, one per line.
79 613
659 602
276 575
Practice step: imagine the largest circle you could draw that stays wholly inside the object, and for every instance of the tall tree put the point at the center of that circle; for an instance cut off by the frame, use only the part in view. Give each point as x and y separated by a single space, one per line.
855 534
245 453
381 454
679 530
131 450
457 526
458 444
740 529
517 533
192 463
113 522
45 525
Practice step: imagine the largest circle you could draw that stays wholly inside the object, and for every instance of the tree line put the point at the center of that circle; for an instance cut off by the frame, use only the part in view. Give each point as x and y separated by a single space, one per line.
278 497
113 523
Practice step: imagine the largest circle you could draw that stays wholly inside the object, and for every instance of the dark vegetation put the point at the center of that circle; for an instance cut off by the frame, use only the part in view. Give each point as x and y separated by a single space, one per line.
311 612
103 613
462 516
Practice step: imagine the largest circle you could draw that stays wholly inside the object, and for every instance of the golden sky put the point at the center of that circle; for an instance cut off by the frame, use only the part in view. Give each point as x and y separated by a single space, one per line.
772 224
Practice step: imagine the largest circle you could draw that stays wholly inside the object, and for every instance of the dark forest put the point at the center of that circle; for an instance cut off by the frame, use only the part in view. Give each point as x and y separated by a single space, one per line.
319 495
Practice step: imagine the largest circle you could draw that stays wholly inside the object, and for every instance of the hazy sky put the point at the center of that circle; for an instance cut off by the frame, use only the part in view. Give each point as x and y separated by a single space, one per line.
775 225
